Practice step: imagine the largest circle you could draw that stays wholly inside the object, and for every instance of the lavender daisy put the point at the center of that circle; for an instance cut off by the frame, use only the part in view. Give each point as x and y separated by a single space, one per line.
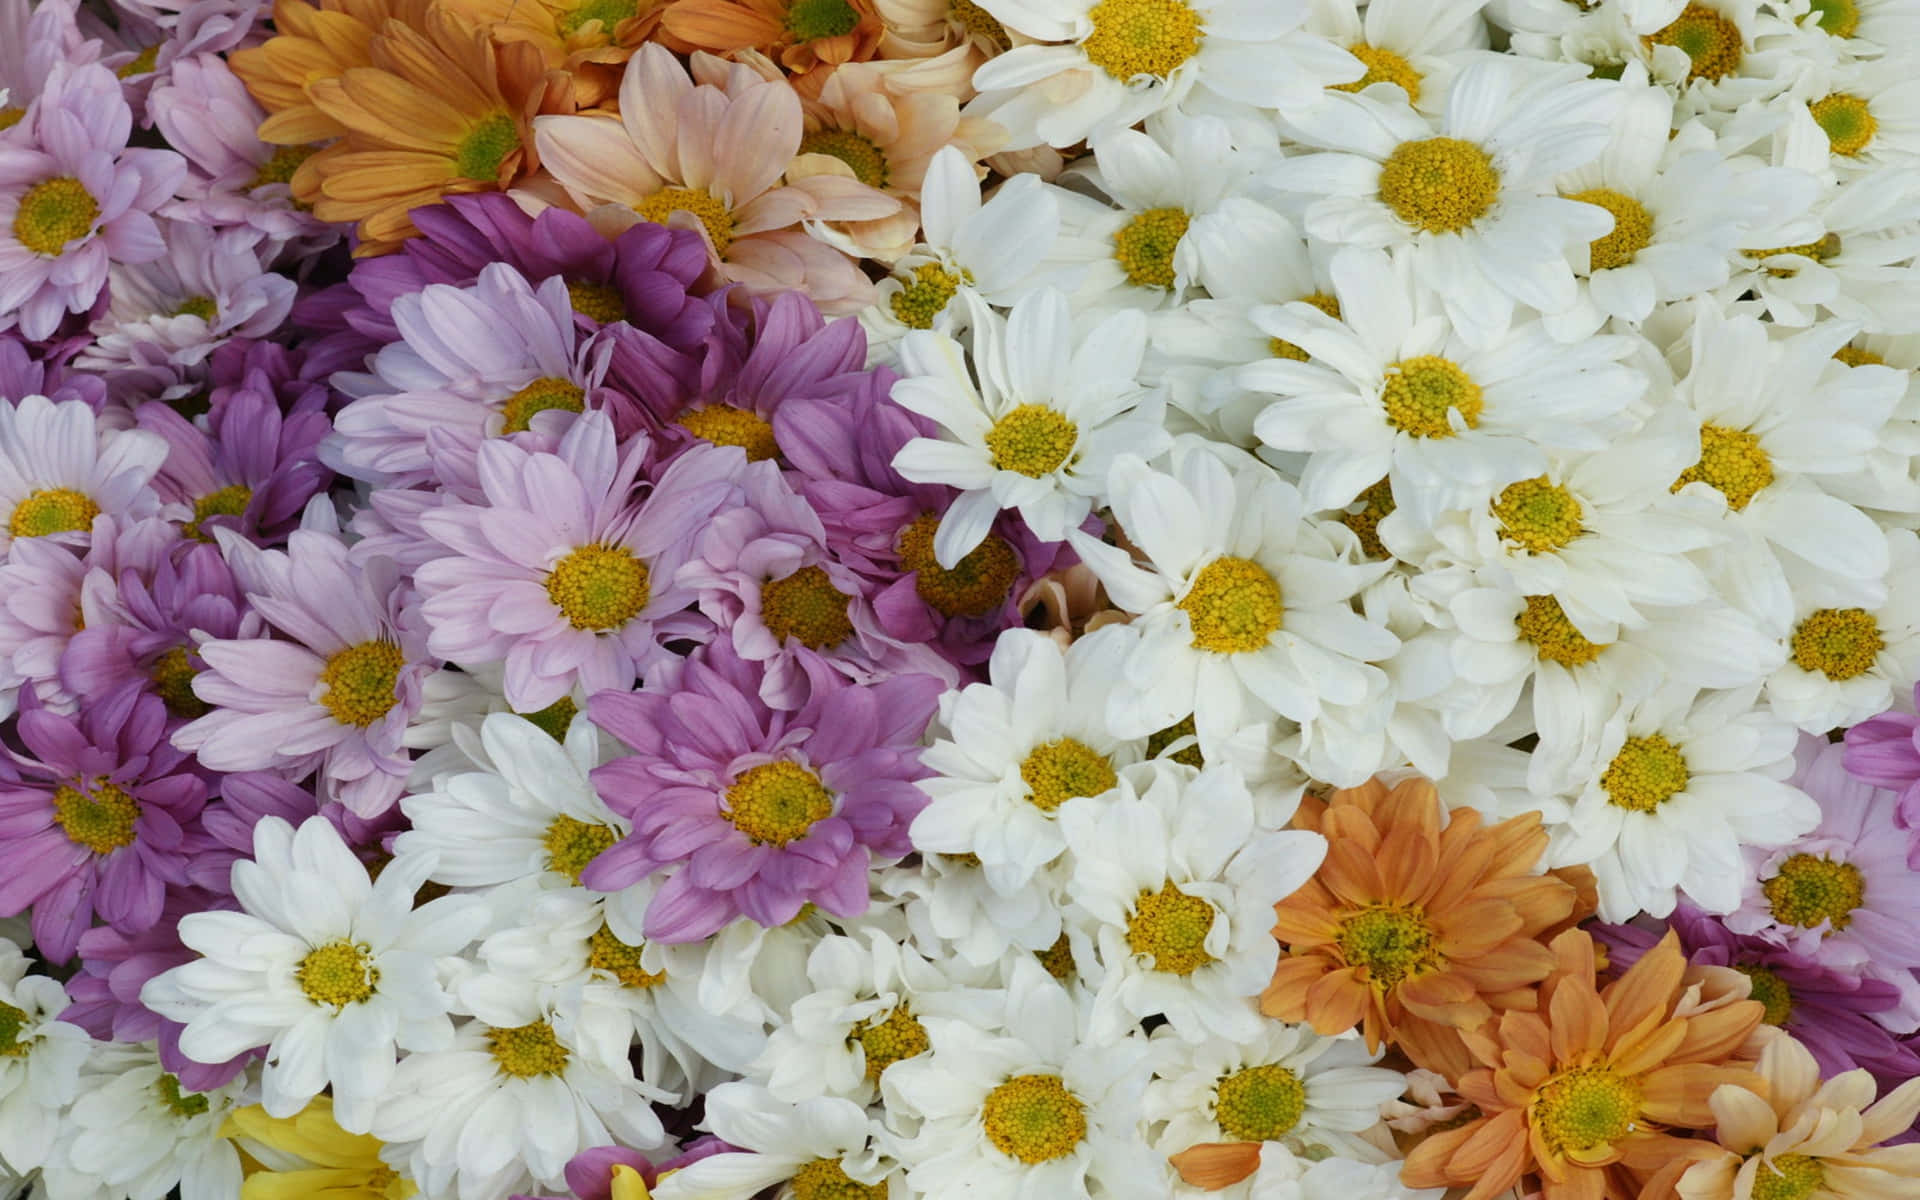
755 811
254 474
1885 752
22 374
58 471
34 38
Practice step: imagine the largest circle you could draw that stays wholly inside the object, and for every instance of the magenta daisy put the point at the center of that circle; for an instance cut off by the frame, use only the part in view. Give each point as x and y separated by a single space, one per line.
1885 751
58 471
559 574
253 471
335 697
74 198
754 811
34 38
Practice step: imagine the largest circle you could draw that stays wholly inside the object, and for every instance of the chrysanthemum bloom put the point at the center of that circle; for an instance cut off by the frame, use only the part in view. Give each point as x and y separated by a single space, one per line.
41 1057
74 198
23 373
1804 1137
336 697
59 470
253 471
809 37
947 29
582 43
99 821
814 1145
1416 930
709 160
34 39
1885 751
1579 1092
758 810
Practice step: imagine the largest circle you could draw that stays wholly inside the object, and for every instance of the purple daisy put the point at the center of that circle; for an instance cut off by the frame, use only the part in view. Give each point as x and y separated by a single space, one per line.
74 198
34 38
59 470
98 822
559 575
254 474
23 375
336 696
755 811
1885 752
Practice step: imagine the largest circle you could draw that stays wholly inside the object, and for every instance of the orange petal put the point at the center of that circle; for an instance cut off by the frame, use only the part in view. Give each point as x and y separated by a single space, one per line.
1216 1165
1649 986
1337 1001
1579 1022
1680 1095
1285 998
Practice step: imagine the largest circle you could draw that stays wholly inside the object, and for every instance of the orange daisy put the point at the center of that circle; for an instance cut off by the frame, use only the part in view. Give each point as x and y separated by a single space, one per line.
586 41
313 42
807 37
1580 1093
1420 924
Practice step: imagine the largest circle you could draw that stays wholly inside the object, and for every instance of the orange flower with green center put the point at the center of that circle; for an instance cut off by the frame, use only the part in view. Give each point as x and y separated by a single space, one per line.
1580 1091
808 37
1420 924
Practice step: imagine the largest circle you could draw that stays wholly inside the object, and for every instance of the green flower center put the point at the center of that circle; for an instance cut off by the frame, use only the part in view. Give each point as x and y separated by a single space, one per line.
1538 514
361 683
338 974
599 587
140 64
918 302
1144 246
52 510
1259 1104
53 213
572 843
546 394
229 501
1789 1177
1837 17
1646 773
826 1179
1709 39
1032 440
12 1021
608 13
973 587
1170 927
177 1102
527 1051
1847 122
1772 993
1439 184
1421 391
280 167
777 803
885 1042
600 301
1811 888
1063 769
1183 728
725 425
480 154
101 819
808 20
1034 1118
555 718
1584 1109
1058 959
1390 942
1141 37
11 115
1731 462
1234 606
172 676
1840 643
807 607
198 306
867 160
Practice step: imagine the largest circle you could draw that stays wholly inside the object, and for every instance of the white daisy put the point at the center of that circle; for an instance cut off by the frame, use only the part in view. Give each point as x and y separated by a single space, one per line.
1867 113
136 1132
758 972
41 1059
59 470
951 908
330 971
1886 482
1037 432
1715 56
1474 199
1414 46
453 703
818 1147
1173 888
1846 661
1087 65
1673 788
1861 28
1285 1176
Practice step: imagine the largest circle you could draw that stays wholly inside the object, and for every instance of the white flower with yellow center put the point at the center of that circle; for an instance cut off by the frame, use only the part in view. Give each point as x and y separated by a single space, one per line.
41 1058
1173 889
1845 660
1286 1084
1412 45
1887 479
327 969
136 1132
1474 198
951 908
1867 114
820 1148
1860 28
757 971
1009 753
1669 792
1088 65
1029 1106
1032 422
1714 55
1244 609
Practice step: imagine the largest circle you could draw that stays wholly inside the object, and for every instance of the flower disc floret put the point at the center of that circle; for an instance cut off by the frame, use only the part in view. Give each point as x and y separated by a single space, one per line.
976 20
1770 990
1234 605
1144 246
52 510
599 587
556 718
919 301
1259 1104
1282 348
1732 462
1858 356
1058 771
1840 643
1544 625
1420 391
1789 1177
1584 1109
1170 927
361 682
1809 889
177 1102
485 147
172 676
1058 959
1847 122
1157 743
725 425
1439 184
1632 228
807 607
572 843
863 156
1646 773
606 952
1538 514
54 212
1032 440
101 818
777 803
826 1179
608 13
973 587
546 394
712 213
900 1035
1034 1118
12 1021
810 20
1840 18
1710 39
338 974
281 165
527 1051
1383 66
229 501
1828 246
1141 37
600 301
1392 943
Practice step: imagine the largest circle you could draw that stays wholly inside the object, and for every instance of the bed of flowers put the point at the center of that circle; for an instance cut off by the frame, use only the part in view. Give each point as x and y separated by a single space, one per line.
959 599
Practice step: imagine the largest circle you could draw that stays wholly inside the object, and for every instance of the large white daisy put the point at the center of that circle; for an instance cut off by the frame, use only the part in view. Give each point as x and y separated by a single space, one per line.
135 1132
41 1059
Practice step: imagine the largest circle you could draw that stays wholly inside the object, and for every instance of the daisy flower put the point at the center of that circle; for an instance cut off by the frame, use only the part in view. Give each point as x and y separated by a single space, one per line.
1242 607
809 38
1866 28
41 1068
819 1146
1474 201
38 37
136 1130
252 470
1865 112
951 909
1415 47
1090 65
1885 751
1846 662
326 968
59 470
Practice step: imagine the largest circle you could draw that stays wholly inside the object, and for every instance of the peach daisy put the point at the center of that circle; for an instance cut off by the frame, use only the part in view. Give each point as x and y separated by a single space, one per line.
313 42
807 37
702 158
1580 1093
928 28
1420 924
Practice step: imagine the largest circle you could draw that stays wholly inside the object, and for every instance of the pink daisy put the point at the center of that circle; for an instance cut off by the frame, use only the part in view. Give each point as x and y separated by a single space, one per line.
59 470
33 38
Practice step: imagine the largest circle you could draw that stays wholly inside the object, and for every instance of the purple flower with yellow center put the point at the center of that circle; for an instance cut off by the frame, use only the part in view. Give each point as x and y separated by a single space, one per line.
22 374
334 695
98 822
34 38
74 198
1885 752
752 810
253 471
558 574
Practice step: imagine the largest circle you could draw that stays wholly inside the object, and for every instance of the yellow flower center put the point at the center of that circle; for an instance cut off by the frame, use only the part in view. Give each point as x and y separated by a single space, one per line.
1170 927
1858 356
1710 40
1281 348
809 20
1584 1109
172 676
1827 247
1144 246
1058 959
140 64
1421 391
608 953
1234 606
1439 184
826 1179
1789 1177
1392 943
1376 505
546 394
485 147
177 1102
53 213
777 802
900 1035
1034 1118
12 1021
1538 514
1032 440
527 1051
1840 643
1811 888
361 681
1383 66
1845 119
712 213
1063 769
338 974
978 21
1646 773
229 501
861 154
1731 462
1543 624
1141 37
101 818
917 303
555 718
599 587
1771 991
725 425
53 510
608 13
600 301
1157 743
1632 228
279 168
1838 17
1259 1104
976 585
198 306
11 115
572 843
807 607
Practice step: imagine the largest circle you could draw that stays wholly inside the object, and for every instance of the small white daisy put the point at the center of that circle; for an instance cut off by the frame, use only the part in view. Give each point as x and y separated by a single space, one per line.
41 1060
1846 661
136 1132
59 470
951 908
1414 46
1867 113
818 1147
